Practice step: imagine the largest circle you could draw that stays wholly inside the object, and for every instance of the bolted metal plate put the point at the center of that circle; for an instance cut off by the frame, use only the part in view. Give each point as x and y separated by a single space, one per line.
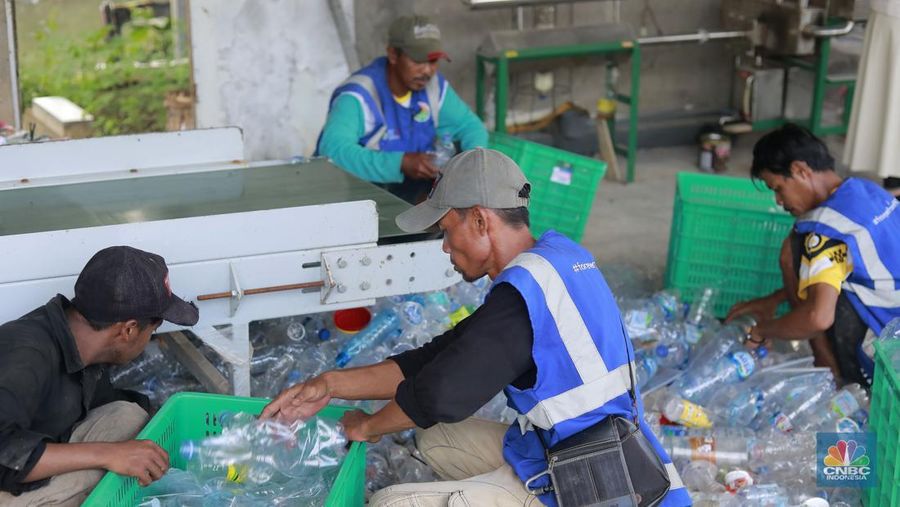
373 272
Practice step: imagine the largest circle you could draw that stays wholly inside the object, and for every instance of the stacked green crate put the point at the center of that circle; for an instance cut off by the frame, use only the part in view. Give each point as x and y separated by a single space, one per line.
726 233
563 183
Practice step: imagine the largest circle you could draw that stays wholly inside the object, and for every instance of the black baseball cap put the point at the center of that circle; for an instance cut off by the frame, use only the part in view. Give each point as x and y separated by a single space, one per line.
121 283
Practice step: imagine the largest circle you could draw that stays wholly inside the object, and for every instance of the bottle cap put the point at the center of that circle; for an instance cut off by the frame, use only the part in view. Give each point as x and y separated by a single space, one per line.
662 350
351 320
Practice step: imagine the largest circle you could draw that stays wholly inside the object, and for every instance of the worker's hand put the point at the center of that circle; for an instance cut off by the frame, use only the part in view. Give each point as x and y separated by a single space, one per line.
355 423
300 401
761 309
754 340
419 166
141 459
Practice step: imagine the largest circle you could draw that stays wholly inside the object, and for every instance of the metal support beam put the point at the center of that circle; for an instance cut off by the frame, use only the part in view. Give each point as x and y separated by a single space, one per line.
344 34
9 68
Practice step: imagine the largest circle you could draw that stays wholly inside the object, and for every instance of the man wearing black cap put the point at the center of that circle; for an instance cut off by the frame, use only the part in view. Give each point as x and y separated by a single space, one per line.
62 425
383 121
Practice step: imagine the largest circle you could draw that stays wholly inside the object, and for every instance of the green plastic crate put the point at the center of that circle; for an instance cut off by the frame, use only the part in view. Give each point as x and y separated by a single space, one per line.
563 184
884 420
191 416
726 233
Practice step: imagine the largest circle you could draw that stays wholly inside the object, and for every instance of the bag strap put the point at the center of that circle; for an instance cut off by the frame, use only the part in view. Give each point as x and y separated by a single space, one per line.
631 390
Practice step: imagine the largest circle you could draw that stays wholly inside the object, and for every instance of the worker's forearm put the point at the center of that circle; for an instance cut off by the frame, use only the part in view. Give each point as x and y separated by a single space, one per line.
375 382
780 295
62 458
798 324
389 419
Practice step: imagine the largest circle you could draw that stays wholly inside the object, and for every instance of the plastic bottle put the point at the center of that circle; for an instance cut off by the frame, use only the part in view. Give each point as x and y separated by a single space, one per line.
681 411
150 363
698 385
768 449
317 326
700 476
723 450
672 351
702 308
642 318
735 405
645 368
444 149
385 325
761 495
891 331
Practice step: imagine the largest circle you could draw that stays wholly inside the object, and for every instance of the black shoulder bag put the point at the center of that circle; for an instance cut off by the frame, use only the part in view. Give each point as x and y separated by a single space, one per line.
610 464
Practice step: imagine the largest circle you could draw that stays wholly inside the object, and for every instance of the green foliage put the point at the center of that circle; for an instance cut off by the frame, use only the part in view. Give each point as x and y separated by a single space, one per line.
121 80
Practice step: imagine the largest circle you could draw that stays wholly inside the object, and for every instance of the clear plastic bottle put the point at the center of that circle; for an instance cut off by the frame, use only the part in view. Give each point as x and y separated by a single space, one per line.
700 476
673 350
702 308
760 495
642 318
891 331
150 363
721 449
385 325
645 368
699 384
444 150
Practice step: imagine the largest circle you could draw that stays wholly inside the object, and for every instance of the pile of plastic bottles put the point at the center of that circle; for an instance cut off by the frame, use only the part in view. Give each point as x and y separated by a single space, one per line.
254 462
739 425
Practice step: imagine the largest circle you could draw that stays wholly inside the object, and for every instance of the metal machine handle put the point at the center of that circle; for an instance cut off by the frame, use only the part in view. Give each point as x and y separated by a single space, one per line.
828 31
262 290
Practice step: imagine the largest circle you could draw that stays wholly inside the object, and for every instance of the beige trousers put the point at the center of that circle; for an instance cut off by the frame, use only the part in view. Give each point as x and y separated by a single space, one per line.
114 422
469 457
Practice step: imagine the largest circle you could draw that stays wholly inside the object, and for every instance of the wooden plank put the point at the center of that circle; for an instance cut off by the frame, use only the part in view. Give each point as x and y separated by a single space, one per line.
181 348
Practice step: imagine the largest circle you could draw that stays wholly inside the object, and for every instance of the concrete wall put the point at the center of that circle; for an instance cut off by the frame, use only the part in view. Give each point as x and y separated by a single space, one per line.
683 77
267 67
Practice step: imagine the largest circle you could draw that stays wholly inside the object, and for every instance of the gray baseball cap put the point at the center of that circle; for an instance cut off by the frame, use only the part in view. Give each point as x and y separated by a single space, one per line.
418 37
477 177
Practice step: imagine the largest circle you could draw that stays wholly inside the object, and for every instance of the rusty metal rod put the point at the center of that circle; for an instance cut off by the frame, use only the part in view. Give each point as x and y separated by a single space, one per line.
263 290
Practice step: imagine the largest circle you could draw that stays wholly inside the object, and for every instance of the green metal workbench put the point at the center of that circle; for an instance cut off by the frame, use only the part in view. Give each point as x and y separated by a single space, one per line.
506 48
819 67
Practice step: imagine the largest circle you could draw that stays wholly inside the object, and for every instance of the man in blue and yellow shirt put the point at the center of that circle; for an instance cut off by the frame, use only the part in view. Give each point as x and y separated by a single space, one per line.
840 264
384 119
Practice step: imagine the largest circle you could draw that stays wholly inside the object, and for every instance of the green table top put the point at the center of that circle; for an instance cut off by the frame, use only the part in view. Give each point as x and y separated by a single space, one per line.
144 199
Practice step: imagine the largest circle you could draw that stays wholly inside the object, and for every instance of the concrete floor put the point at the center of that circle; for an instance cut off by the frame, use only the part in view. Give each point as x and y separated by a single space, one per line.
629 224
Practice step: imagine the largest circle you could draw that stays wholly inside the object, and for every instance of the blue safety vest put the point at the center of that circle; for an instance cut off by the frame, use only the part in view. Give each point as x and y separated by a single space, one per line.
581 352
866 218
388 125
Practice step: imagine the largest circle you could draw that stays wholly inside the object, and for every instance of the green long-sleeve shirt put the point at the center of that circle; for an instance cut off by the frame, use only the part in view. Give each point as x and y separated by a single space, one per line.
345 126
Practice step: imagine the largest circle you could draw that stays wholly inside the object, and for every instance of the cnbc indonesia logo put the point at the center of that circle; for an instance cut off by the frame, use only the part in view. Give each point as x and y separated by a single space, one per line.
846 461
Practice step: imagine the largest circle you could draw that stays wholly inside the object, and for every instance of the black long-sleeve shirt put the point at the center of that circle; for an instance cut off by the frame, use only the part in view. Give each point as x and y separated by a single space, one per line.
456 373
45 390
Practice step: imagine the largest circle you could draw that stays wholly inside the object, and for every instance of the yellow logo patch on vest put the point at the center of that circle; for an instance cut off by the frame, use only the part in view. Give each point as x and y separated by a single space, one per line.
813 242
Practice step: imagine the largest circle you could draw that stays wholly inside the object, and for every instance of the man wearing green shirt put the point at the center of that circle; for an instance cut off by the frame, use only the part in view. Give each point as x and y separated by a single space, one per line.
383 121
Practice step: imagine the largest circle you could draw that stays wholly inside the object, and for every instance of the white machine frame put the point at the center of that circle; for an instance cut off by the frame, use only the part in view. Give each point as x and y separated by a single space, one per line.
332 245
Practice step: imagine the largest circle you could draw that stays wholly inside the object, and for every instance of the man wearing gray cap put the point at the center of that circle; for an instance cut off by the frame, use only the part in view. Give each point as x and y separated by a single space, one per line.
549 335
384 120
